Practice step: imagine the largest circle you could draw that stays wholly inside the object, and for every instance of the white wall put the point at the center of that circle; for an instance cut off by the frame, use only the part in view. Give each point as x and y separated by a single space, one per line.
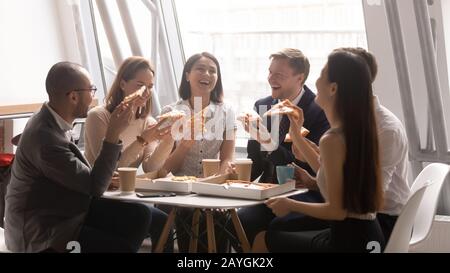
34 35
31 42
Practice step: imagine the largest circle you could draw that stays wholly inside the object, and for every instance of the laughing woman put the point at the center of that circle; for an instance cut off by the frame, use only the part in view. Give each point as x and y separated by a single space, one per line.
144 143
201 95
211 134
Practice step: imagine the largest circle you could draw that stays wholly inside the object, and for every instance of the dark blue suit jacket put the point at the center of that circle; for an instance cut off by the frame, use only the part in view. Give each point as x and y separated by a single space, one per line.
263 162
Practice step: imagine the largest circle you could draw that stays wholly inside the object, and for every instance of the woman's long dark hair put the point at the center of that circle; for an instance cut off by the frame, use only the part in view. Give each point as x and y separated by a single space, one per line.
128 71
362 192
185 88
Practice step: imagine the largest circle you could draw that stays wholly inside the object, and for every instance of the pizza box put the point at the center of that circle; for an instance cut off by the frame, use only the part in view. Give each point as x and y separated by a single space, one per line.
217 186
161 181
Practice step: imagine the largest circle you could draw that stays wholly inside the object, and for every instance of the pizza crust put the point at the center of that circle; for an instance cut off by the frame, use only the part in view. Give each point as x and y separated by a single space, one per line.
133 97
170 118
183 178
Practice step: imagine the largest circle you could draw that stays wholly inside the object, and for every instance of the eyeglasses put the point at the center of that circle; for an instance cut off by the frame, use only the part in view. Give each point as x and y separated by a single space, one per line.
92 89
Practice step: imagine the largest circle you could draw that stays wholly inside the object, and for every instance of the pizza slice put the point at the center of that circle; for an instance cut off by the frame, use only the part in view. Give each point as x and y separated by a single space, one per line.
199 117
183 178
169 118
140 93
248 116
282 108
203 120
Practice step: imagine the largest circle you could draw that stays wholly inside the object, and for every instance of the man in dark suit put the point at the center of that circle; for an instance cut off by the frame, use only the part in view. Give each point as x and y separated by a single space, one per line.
52 198
288 72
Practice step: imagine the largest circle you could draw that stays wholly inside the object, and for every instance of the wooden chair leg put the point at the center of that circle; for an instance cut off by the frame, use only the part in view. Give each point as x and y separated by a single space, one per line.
210 229
240 231
165 233
195 224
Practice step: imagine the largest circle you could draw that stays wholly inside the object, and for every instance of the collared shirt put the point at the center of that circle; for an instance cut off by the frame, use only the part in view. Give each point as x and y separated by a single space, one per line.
62 124
393 144
299 97
220 123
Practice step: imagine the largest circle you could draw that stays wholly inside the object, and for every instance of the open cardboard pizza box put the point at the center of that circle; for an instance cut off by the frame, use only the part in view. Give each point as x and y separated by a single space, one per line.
161 181
218 186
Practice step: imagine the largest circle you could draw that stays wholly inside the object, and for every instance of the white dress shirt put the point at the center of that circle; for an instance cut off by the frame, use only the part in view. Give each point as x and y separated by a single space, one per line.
393 159
299 97
62 124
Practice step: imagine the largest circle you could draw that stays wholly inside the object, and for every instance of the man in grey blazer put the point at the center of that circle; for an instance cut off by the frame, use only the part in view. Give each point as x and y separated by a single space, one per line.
52 198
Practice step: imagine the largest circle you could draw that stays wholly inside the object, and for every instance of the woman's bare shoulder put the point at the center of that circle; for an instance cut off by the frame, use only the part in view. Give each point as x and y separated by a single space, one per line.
332 142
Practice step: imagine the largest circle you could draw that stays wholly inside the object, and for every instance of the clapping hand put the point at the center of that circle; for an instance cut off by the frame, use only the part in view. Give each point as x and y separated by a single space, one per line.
253 125
119 121
250 119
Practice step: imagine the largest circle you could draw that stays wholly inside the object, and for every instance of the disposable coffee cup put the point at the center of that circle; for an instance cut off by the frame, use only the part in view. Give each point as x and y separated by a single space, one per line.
243 168
127 177
285 173
210 167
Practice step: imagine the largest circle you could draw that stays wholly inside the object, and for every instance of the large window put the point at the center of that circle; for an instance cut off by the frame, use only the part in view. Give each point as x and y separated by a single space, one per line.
133 27
243 34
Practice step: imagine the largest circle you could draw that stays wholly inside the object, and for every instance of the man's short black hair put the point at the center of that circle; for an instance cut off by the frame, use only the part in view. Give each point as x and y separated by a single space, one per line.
63 77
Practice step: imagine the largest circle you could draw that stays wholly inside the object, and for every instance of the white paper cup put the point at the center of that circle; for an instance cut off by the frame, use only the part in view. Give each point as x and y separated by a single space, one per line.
210 167
243 168
127 179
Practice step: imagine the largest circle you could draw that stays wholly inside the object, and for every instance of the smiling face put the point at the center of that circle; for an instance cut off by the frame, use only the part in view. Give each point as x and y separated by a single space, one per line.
283 80
203 77
143 77
326 90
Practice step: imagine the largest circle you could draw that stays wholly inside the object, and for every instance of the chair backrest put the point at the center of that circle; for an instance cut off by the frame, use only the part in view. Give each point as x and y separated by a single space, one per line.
434 173
401 234
418 213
